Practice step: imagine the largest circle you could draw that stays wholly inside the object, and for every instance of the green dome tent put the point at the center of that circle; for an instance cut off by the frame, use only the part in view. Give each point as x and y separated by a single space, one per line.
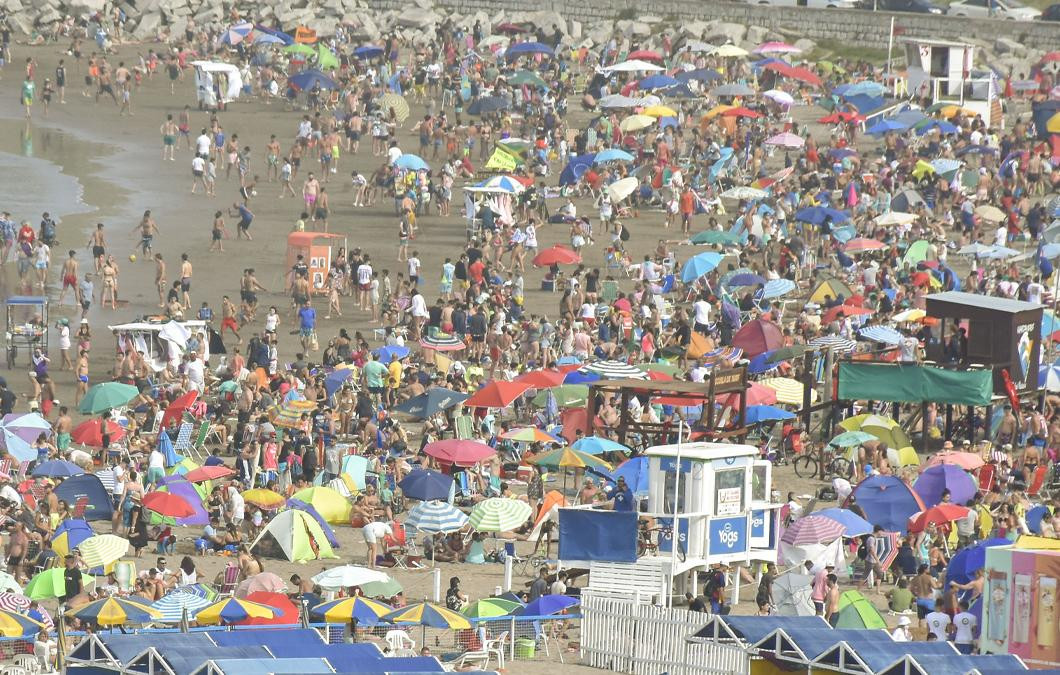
855 611
294 535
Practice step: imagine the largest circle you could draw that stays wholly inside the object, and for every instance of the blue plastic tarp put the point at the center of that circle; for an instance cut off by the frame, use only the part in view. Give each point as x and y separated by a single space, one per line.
269 666
598 535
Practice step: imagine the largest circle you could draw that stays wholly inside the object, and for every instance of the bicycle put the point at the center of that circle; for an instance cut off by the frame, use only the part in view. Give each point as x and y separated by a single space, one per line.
823 463
646 543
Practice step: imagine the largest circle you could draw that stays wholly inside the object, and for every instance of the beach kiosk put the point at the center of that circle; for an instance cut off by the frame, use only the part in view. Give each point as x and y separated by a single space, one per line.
942 71
316 251
708 503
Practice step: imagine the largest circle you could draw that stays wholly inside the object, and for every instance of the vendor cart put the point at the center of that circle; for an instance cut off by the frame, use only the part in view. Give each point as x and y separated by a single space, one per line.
27 325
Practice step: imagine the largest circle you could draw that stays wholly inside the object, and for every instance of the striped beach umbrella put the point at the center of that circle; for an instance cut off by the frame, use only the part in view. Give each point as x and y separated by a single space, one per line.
103 549
812 530
788 390
863 245
616 370
229 609
530 435
201 589
488 608
435 516
13 624
839 344
14 602
776 288
69 535
1049 377
597 445
569 458
443 343
288 414
347 610
884 334
499 514
429 614
171 607
114 612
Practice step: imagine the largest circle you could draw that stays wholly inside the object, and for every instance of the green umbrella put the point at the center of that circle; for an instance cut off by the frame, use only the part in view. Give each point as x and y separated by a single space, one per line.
106 396
917 252
51 584
326 59
567 396
382 589
488 608
850 439
715 237
787 353
526 77
299 48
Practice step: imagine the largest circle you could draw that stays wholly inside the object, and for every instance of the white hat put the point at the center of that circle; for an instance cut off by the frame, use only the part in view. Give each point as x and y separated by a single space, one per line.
904 621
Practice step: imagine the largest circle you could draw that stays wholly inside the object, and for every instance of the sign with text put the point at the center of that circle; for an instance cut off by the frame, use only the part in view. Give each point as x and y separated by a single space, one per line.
728 536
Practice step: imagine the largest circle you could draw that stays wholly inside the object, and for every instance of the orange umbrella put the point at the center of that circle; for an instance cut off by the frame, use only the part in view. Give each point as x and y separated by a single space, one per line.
844 310
91 433
204 473
497 394
542 379
741 111
557 255
969 461
553 499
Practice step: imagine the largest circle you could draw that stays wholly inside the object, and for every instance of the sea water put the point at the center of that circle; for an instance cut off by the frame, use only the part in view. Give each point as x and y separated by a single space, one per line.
33 178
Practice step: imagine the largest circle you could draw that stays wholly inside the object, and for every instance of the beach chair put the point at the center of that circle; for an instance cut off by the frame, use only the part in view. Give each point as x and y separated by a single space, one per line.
1037 480
229 579
464 427
987 473
495 647
79 508
184 433
401 547
399 643
608 291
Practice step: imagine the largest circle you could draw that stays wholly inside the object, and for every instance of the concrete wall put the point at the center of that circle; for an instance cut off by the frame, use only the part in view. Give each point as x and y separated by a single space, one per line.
851 26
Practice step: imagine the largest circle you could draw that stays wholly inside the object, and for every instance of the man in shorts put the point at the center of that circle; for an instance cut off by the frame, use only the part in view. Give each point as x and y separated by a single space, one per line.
69 276
246 216
310 190
307 324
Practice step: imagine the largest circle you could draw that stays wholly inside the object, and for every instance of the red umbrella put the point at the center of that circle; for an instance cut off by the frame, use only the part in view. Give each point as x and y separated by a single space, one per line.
459 452
542 379
757 337
941 514
844 310
678 401
168 504
557 255
175 410
740 111
757 394
208 473
509 28
659 376
645 55
285 614
803 75
861 244
90 433
497 394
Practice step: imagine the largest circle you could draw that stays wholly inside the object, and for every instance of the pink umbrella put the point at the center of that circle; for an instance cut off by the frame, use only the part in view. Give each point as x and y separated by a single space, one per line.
459 452
14 602
266 582
757 394
969 461
776 48
786 140
812 530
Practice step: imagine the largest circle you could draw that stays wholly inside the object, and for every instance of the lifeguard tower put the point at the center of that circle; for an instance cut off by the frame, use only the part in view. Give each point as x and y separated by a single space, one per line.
710 500
316 251
943 72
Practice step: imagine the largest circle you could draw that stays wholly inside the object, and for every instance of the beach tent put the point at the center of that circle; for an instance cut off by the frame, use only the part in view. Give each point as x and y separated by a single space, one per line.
206 72
87 485
887 501
293 535
328 502
328 532
855 611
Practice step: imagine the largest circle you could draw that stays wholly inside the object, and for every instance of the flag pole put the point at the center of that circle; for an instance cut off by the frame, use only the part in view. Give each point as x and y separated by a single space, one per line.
890 48
675 533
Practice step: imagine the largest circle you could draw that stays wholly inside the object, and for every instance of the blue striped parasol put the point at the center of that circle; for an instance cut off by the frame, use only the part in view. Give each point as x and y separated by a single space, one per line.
171 607
435 516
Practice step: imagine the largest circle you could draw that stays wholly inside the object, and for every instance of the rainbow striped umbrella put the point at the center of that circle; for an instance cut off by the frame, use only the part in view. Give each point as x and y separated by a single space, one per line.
288 414
569 458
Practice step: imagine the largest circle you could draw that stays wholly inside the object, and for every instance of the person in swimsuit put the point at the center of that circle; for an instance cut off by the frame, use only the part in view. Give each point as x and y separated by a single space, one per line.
160 279
148 229
169 138
82 375
69 276
110 283
185 280
310 190
99 246
272 159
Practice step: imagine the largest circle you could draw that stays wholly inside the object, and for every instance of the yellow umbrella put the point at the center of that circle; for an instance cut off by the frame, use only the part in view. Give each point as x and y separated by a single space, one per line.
266 499
659 111
991 213
922 169
950 110
103 549
788 390
716 110
636 123
909 316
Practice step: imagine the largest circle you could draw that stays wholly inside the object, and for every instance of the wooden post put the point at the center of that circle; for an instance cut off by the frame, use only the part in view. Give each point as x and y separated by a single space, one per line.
807 400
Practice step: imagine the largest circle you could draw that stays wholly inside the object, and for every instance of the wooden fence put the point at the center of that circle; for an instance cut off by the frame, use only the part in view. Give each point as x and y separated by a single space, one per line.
623 634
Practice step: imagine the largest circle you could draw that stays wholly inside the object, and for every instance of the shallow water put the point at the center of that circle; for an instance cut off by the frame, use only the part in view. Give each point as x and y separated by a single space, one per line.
32 161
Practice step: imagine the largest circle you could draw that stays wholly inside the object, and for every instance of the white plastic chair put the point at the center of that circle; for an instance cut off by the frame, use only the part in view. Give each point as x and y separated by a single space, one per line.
495 646
31 663
400 643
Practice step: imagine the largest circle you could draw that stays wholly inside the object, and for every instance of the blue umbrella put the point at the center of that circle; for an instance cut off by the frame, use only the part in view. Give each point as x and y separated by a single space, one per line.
864 87
668 122
763 363
635 471
389 353
17 447
657 81
57 468
855 525
524 48
612 155
699 75
284 37
942 125
334 380
976 150
884 126
368 52
488 104
575 168
165 446
963 565
307 79
266 39
596 445
776 288
816 215
884 334
699 265
841 153
425 485
431 402
756 414
745 279
945 165
411 162
580 377
547 605
1034 518
676 91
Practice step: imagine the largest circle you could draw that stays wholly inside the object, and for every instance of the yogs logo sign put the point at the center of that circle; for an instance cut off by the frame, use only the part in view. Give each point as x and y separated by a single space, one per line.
728 535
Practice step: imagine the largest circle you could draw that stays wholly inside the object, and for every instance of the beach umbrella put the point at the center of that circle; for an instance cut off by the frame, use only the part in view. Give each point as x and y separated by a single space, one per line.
909 316
411 162
489 608
114 612
9 584
757 414
529 435
568 458
716 237
435 516
645 55
307 79
527 78
636 123
326 58
346 576
940 514
359 610
834 342
786 140
597 445
657 81
779 97
756 395
964 564
969 461
499 514
27 426
106 396
51 584
168 505
13 624
616 370
228 610
368 52
547 605
557 255
425 485
103 549
792 594
236 33
205 473
885 126
612 155
57 468
942 126
990 212
745 279
262 582
428 614
581 376
732 90
442 343
382 589
431 402
776 288
622 188
817 215
758 336
659 111
776 48
542 379
934 480
525 48
288 415
17 447
565 396
172 606
1034 517
700 265
90 433
336 379
731 51
851 439
632 65
741 192
884 334
863 245
496 394
264 498
741 111
853 524
459 452
698 75
396 102
390 353
175 410
14 602
1049 377
488 104
788 390
812 529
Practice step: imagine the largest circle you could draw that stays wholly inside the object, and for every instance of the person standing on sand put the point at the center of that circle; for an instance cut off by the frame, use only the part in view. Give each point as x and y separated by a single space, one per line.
184 126
228 318
185 281
7 234
218 232
286 172
42 260
321 211
160 279
246 216
60 81
198 174
272 159
310 190
110 283
69 277
148 229
99 246
82 375
169 138
105 82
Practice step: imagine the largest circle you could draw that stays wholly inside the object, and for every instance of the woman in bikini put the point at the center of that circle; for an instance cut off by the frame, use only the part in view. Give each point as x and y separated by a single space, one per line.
110 283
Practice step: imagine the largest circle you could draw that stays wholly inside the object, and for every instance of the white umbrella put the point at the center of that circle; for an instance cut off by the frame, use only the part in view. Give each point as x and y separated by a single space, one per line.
616 370
894 218
631 66
435 516
730 51
699 46
619 101
636 123
348 575
786 140
780 97
623 188
792 594
744 192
